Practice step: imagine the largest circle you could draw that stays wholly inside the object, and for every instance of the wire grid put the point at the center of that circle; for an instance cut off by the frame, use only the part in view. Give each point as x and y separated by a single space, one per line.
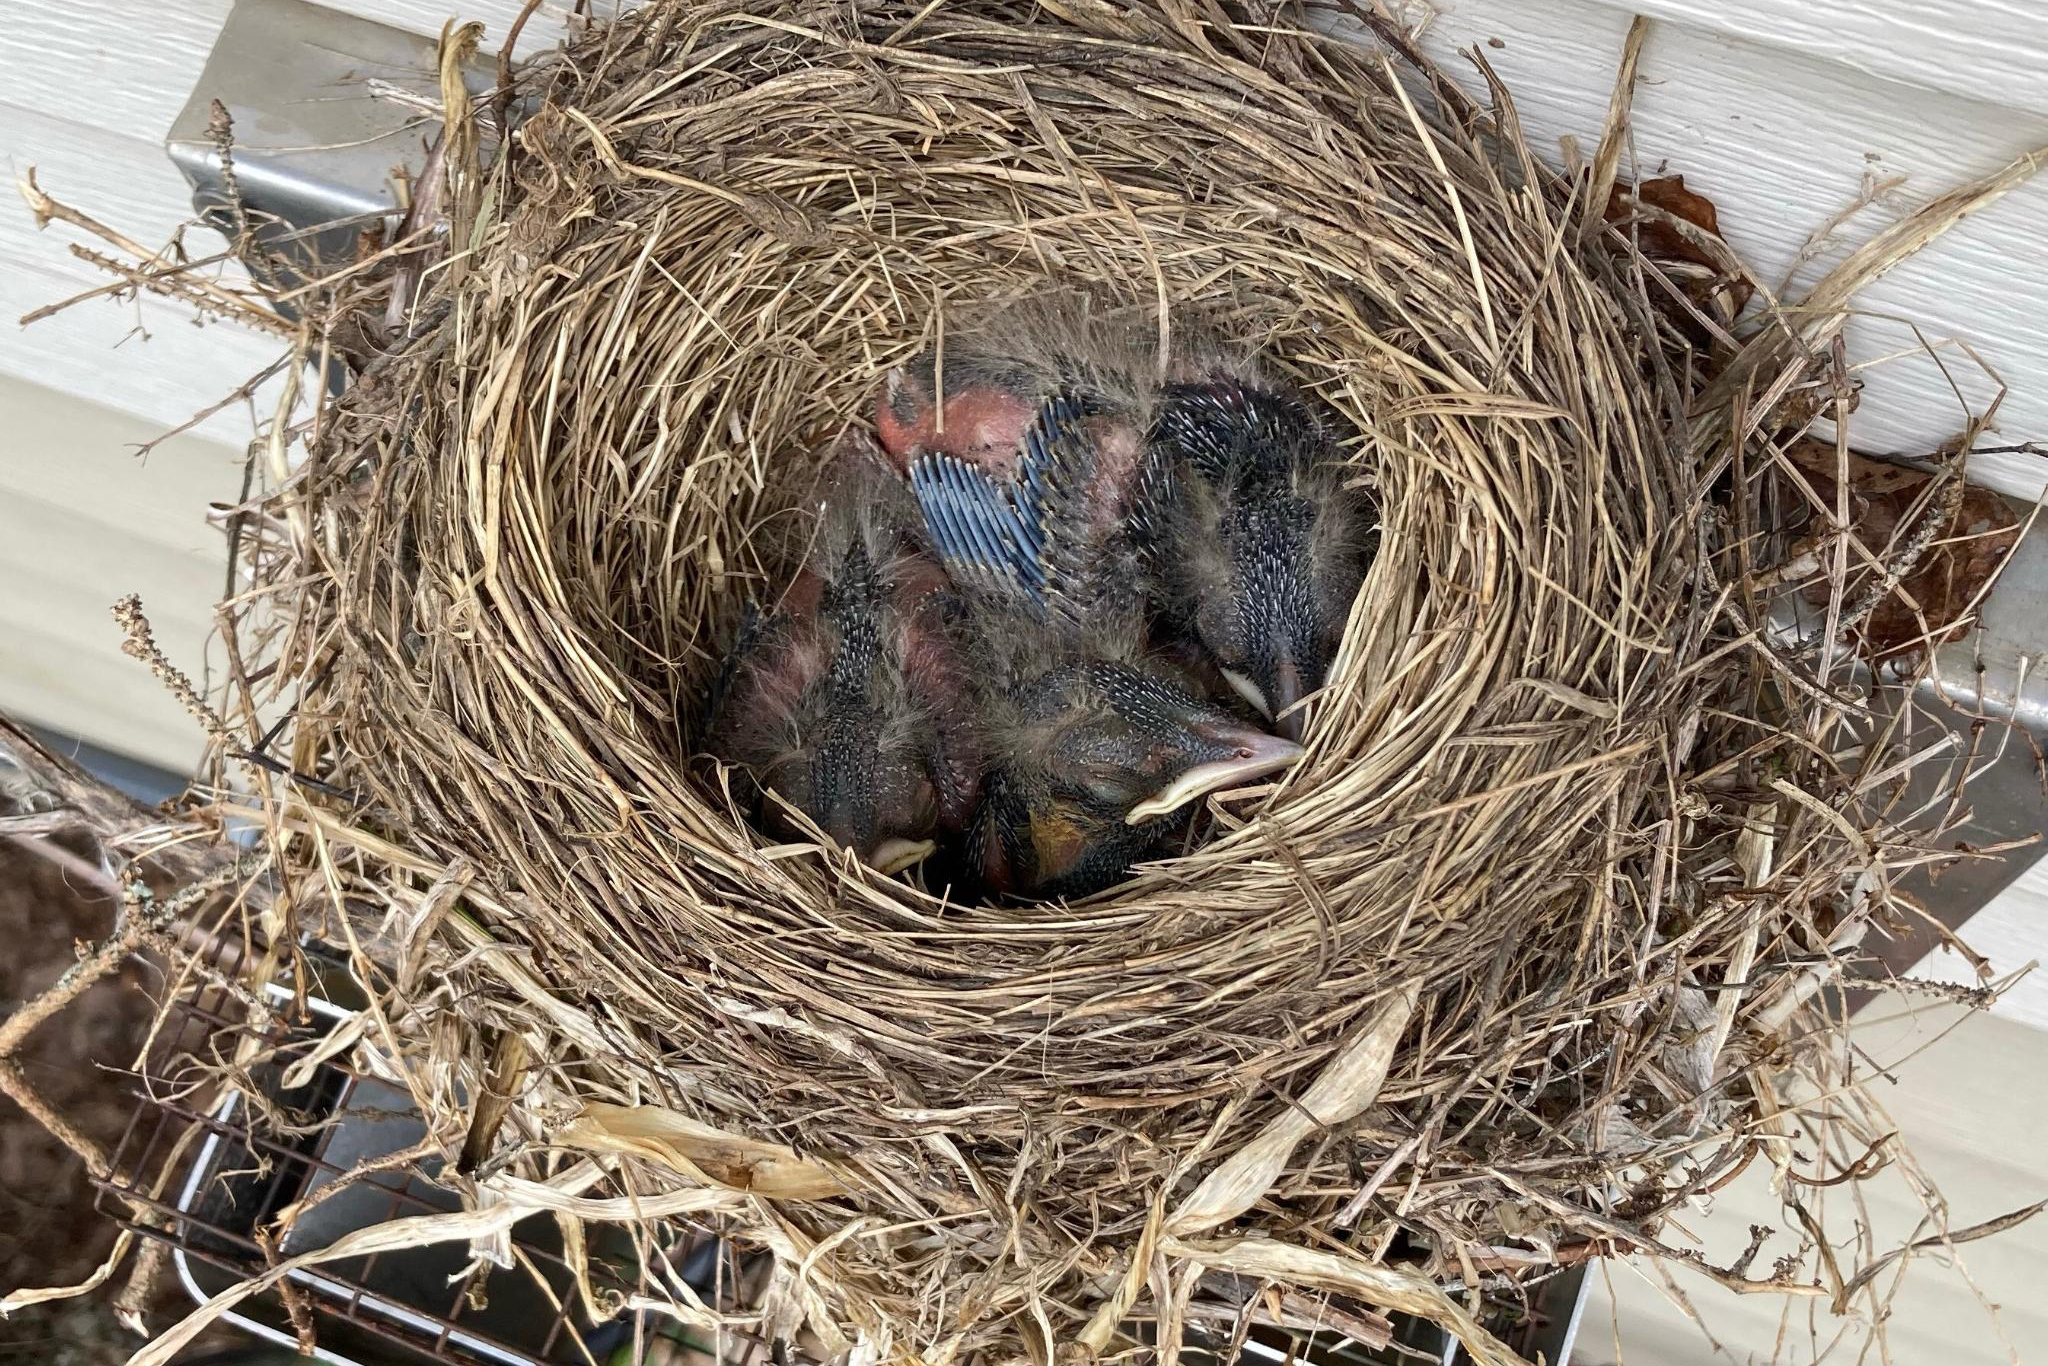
192 1171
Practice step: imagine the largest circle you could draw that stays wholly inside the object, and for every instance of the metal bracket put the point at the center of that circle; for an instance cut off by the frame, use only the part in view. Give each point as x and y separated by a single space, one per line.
326 109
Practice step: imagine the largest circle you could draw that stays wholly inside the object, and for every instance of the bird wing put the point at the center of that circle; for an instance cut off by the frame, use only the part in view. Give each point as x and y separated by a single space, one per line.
754 624
987 534
1045 536
1091 475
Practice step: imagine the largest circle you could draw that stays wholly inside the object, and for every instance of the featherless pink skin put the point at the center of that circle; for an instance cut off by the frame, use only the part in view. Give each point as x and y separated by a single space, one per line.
994 409
1039 418
848 702
980 422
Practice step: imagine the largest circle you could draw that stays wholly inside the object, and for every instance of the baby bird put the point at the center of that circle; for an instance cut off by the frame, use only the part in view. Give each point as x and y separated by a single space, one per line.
976 397
973 407
848 702
1232 514
1096 762
1096 750
1258 544
1029 451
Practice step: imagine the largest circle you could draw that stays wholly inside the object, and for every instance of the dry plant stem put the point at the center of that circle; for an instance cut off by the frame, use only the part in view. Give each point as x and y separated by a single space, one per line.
128 936
131 1306
170 272
424 1151
509 1058
141 644
15 1084
141 920
242 394
1556 740
296 1309
1613 141
208 294
1383 1287
1863 1278
171 287
120 822
1898 566
565 1192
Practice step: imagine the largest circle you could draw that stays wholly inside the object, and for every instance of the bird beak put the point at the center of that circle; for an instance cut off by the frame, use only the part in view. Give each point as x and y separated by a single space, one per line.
892 856
1289 717
1254 754
1244 687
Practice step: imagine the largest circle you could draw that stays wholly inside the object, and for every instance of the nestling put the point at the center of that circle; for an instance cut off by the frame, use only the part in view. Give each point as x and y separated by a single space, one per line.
975 397
1095 763
1260 545
1035 465
1095 749
848 701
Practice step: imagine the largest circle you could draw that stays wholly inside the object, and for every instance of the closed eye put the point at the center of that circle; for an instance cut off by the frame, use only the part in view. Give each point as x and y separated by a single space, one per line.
924 806
1106 790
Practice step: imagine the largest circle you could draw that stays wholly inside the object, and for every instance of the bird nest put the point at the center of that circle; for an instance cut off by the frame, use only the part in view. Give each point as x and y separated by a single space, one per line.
1518 958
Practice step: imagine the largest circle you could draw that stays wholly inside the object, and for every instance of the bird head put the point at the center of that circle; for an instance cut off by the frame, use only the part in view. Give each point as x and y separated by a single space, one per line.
1099 761
878 800
1263 546
847 708
969 410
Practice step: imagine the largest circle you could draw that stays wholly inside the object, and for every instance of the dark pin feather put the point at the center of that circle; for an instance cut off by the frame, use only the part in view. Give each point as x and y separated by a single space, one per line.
975 526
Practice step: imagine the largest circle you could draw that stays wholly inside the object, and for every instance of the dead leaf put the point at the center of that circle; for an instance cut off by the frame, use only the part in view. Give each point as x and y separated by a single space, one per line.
501 1087
1929 604
1661 241
701 1152
1669 194
1866 476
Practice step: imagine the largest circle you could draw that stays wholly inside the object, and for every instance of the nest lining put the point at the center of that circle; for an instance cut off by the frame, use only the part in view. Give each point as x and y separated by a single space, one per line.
1489 901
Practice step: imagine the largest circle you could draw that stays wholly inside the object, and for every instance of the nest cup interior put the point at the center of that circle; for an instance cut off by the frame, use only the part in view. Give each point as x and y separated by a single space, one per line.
718 234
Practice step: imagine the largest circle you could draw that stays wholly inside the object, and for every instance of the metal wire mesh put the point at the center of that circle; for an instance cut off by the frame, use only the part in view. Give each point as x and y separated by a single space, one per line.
207 1170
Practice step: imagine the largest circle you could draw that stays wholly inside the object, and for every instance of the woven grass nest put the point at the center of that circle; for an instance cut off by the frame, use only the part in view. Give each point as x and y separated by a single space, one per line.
1518 959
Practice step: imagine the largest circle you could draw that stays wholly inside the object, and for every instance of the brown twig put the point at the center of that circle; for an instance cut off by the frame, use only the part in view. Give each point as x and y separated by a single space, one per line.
296 1309
240 393
139 642
139 1293
501 101
17 1087
153 271
130 932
